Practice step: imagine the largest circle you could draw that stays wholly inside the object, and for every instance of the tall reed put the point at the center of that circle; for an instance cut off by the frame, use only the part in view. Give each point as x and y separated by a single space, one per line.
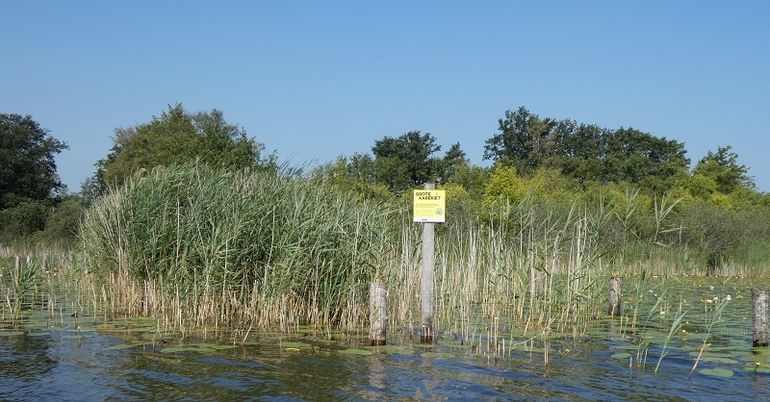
530 271
202 246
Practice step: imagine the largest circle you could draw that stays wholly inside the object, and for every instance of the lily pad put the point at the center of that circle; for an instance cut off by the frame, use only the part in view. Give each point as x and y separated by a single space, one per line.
717 372
123 346
715 359
296 345
396 349
755 368
437 355
177 349
358 352
620 356
214 346
223 347
79 336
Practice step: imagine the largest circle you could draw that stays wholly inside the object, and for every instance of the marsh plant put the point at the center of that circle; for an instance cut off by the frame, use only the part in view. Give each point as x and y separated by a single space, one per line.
529 272
24 278
196 246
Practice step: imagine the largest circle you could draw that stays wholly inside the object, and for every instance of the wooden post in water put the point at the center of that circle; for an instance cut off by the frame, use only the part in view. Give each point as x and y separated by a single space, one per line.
614 309
759 301
426 275
378 314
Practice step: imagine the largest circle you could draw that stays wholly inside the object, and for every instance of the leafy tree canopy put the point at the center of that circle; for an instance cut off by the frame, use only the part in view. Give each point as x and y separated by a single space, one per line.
585 152
723 169
27 166
407 161
175 137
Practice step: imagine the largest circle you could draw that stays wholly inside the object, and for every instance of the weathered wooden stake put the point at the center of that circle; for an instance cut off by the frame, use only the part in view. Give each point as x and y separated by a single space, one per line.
378 314
17 264
614 309
426 283
759 300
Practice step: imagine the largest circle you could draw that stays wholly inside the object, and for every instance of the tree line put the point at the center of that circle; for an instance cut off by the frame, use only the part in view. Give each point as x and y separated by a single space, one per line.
555 162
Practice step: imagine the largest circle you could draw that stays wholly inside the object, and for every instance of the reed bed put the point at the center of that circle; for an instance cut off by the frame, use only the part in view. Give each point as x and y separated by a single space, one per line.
525 273
203 251
200 247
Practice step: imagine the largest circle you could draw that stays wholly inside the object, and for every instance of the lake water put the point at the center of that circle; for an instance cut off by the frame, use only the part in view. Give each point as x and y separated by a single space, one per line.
54 356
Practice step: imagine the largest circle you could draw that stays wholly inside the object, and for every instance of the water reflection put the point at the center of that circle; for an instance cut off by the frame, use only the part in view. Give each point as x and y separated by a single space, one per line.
25 357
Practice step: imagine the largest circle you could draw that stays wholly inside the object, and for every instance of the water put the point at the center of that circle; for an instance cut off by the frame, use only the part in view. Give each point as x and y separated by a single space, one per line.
58 357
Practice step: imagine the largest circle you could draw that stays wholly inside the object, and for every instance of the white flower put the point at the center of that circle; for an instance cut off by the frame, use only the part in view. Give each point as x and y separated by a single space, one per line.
728 298
716 298
711 288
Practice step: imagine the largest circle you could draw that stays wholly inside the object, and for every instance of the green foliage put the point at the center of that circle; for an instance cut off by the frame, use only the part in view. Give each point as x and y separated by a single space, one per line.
723 170
23 280
472 178
256 234
63 220
407 161
635 157
524 142
586 152
175 137
22 220
504 186
27 166
354 175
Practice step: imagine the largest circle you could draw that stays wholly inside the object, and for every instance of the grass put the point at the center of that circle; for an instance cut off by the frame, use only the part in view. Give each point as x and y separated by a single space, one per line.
199 246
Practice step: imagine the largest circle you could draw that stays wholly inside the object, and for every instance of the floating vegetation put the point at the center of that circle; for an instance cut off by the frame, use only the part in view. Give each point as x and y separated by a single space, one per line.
187 348
296 345
356 352
437 355
393 349
717 372
124 346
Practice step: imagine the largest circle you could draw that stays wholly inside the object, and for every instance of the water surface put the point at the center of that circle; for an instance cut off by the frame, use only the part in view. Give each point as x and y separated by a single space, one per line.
54 356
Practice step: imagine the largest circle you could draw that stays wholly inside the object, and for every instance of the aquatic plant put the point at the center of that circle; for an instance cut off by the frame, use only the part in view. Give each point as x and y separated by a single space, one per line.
201 246
676 324
714 317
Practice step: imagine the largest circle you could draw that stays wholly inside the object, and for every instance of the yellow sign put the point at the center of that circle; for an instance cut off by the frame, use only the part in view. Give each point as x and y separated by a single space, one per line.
429 206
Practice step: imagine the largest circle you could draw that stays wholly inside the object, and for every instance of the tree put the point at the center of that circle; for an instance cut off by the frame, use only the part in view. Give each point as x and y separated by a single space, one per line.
524 141
580 150
722 167
585 152
453 159
407 161
27 166
175 137
637 157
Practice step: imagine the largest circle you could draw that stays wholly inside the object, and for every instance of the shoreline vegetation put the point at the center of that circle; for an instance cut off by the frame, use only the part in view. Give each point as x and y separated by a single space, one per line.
197 247
526 255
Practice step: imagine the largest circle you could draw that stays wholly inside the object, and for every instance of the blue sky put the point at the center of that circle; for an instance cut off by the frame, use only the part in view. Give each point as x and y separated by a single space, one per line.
314 81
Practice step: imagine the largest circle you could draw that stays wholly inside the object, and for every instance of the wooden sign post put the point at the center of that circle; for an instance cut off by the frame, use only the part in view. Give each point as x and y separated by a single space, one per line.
429 208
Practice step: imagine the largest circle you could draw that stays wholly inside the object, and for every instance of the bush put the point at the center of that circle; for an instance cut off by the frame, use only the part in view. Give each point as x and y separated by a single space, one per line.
22 220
